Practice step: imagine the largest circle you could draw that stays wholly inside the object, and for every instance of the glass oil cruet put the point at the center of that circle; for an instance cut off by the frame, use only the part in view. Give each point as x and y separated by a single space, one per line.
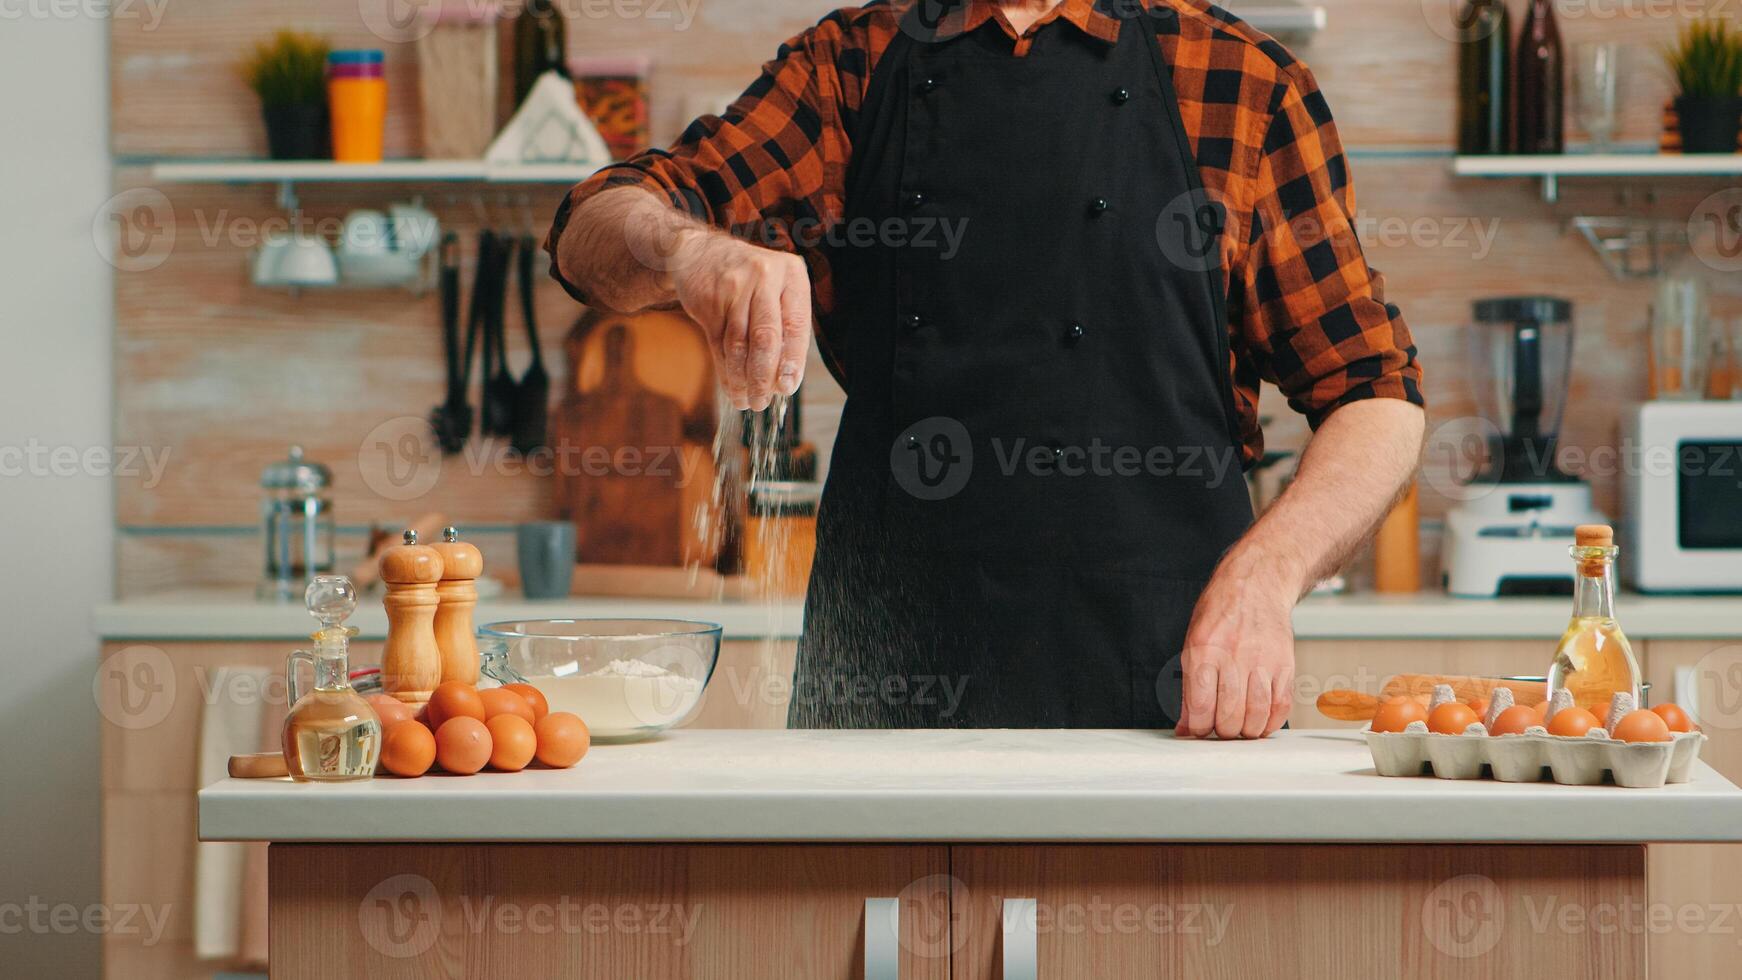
331 733
1594 660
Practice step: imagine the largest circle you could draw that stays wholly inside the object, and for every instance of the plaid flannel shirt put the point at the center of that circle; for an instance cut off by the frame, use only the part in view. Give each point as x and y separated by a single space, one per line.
1305 311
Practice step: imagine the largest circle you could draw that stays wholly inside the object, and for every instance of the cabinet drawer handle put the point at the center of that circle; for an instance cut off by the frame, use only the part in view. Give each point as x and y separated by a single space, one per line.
883 939
1021 949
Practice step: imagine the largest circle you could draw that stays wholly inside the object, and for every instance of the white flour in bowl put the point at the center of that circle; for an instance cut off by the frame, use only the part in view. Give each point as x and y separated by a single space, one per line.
623 697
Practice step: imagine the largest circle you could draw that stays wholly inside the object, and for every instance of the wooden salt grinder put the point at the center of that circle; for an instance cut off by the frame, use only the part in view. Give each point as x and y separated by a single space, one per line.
411 662
458 591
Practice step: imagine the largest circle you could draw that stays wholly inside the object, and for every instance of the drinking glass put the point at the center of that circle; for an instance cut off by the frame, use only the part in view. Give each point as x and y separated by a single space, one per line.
1596 82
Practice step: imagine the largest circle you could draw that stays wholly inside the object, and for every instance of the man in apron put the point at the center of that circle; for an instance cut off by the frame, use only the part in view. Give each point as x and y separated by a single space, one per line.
1051 249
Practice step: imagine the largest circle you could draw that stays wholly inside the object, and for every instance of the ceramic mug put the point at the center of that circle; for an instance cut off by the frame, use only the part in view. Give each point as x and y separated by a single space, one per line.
547 558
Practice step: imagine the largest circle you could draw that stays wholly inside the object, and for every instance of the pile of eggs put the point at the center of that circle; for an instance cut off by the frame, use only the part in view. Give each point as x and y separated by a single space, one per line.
463 729
1448 716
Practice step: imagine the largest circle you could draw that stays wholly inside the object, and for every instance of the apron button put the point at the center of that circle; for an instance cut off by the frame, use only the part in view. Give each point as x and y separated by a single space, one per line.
915 321
915 199
1098 205
929 85
1073 333
1121 96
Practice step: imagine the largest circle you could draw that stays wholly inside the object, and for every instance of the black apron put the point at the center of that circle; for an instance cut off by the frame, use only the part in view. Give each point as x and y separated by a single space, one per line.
1037 466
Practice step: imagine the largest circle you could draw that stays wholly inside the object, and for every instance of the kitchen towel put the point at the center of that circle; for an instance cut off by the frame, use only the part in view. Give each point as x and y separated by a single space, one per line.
230 725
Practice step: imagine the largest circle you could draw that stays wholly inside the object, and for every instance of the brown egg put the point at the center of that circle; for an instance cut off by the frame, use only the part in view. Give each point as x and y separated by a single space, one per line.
512 742
502 701
462 745
533 696
1395 713
1451 718
1674 717
562 739
454 699
1514 720
1541 709
1641 726
407 748
390 709
1480 707
1572 722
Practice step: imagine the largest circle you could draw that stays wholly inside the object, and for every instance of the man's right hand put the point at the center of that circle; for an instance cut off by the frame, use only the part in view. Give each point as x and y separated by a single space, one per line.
754 304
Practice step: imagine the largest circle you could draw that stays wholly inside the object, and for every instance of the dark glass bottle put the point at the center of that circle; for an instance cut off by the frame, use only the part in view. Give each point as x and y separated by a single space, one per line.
540 45
1484 77
1539 92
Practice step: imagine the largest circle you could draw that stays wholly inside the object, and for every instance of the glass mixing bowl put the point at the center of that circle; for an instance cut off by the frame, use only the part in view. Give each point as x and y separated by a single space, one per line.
628 679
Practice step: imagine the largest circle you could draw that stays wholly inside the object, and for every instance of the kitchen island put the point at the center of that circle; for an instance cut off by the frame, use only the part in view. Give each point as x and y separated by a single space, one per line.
962 854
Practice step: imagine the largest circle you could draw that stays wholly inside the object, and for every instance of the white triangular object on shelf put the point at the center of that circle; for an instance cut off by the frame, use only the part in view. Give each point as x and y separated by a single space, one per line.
549 127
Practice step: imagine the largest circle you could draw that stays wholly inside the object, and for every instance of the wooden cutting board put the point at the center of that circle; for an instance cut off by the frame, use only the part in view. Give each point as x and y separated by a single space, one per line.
631 435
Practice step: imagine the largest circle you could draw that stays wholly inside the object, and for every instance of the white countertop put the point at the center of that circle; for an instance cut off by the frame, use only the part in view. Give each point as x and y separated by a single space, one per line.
235 616
996 785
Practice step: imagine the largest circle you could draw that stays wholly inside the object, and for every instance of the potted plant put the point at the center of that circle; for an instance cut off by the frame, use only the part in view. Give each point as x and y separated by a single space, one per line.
289 75
1707 64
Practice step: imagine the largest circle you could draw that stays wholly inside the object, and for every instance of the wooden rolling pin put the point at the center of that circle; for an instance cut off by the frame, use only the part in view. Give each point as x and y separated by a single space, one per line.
258 765
1344 705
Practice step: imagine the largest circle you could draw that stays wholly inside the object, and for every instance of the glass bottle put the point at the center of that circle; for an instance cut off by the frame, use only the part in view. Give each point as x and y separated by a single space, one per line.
1484 77
331 734
540 45
1594 660
1540 88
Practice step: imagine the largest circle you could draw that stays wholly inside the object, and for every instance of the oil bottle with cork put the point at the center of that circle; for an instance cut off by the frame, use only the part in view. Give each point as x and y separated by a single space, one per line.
330 734
1594 661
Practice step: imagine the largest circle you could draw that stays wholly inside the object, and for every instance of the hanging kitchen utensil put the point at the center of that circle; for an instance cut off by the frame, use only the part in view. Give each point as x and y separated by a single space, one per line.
500 388
533 395
452 419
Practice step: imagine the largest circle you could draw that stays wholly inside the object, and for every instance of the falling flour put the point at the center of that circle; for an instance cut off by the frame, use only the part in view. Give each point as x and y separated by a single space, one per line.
623 697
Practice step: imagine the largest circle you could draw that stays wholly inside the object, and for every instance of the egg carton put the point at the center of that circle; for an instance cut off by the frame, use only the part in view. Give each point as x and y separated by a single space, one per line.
1536 755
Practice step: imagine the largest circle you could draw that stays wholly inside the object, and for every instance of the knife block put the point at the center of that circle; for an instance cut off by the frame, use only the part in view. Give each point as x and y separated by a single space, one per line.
411 660
455 636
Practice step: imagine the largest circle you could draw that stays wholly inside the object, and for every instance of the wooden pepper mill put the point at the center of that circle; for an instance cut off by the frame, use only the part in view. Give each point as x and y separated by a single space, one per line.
458 590
411 662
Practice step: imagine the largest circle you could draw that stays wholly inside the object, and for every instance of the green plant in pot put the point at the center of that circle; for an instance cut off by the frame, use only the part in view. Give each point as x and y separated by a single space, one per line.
1707 63
289 75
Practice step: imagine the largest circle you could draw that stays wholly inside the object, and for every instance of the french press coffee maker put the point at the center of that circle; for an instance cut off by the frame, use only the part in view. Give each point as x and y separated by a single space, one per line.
296 520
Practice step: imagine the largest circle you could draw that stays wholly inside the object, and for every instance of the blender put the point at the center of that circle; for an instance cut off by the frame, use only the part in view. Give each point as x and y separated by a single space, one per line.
1510 532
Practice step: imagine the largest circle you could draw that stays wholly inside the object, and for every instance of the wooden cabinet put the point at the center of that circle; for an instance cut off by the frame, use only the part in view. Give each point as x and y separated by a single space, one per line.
966 912
784 912
1696 889
1135 912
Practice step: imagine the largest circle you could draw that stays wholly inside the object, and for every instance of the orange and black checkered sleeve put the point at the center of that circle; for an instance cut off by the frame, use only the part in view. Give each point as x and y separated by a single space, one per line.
773 162
1311 313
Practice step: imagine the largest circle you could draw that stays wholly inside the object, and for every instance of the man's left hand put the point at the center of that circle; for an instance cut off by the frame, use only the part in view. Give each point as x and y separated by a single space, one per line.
1238 663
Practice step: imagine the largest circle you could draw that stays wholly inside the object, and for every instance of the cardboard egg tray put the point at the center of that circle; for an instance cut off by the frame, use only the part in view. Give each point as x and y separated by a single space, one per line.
1534 756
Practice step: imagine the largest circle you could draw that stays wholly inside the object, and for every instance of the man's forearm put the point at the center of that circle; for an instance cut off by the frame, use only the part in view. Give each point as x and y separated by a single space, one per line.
621 247
1354 470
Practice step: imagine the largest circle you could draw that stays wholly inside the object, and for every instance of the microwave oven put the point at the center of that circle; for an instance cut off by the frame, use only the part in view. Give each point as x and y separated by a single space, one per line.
1681 496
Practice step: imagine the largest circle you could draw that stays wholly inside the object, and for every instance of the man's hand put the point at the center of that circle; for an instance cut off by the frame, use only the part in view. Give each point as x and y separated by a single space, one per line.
631 251
1238 662
754 304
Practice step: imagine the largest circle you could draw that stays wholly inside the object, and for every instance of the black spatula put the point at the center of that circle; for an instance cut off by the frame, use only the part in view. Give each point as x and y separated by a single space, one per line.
500 388
533 396
452 419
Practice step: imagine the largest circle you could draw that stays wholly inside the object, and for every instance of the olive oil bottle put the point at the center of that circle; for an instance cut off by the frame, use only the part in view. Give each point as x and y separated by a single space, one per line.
1594 661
